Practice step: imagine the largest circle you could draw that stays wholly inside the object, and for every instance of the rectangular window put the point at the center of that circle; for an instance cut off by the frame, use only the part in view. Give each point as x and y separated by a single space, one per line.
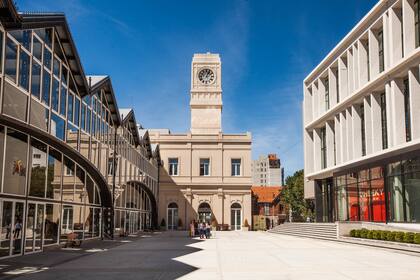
204 166
54 95
46 80
363 129
24 65
416 22
323 148
76 111
63 101
47 59
37 49
236 167
407 110
70 107
36 80
381 51
11 59
266 209
173 166
384 122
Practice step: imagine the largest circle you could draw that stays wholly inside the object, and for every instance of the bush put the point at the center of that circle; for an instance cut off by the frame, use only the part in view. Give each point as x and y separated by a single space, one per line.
357 233
399 236
163 224
384 234
417 238
363 233
409 237
376 234
353 233
390 236
369 234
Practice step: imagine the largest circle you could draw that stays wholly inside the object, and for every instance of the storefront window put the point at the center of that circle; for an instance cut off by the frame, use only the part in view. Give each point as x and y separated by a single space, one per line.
52 222
15 163
54 174
412 196
364 200
38 169
395 187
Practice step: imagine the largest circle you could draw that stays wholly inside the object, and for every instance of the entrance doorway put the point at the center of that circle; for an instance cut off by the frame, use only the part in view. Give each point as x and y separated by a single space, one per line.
11 221
34 232
204 213
172 216
235 216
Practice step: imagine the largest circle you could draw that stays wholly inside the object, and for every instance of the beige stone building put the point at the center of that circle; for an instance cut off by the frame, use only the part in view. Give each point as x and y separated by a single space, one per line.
207 173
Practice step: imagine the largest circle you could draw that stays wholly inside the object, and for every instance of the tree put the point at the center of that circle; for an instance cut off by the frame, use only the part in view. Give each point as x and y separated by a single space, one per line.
293 195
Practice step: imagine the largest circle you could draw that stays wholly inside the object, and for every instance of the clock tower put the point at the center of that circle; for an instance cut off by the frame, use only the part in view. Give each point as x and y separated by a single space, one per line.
206 94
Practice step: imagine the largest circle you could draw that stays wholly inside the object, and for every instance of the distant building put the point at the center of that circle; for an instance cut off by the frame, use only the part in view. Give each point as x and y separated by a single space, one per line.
267 171
268 207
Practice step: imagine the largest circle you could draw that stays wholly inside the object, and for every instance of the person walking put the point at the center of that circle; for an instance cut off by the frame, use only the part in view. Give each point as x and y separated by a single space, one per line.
207 230
200 230
192 229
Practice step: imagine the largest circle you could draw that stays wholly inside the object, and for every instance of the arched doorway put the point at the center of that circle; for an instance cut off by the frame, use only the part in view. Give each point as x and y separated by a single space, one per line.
204 213
235 216
172 216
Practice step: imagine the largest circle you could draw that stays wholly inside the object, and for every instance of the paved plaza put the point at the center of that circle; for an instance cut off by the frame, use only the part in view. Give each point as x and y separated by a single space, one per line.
230 255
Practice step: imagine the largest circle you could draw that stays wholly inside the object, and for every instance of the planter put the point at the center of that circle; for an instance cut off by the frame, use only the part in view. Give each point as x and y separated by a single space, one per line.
244 228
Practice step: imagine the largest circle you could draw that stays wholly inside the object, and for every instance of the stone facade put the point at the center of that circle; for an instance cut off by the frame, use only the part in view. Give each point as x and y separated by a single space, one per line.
197 175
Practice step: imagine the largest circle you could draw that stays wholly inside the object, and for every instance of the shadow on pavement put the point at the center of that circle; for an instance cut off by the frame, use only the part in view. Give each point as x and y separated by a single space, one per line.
147 256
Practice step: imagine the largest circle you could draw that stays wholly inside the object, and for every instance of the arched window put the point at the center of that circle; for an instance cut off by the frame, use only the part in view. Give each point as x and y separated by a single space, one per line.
172 216
235 216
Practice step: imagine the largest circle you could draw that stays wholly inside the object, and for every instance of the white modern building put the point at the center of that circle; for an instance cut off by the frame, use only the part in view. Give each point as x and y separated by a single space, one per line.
267 171
362 121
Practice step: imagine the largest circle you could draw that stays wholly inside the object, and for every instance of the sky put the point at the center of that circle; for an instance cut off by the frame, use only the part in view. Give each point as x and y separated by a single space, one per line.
267 48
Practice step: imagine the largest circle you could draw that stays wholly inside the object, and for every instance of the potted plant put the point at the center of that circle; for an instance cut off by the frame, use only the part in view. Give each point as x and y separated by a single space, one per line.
245 227
163 224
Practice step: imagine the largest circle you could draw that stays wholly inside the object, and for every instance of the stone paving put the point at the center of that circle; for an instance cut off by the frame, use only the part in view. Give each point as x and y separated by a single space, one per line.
229 255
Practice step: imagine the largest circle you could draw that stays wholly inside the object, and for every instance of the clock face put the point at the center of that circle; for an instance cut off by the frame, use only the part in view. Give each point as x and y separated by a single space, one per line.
206 76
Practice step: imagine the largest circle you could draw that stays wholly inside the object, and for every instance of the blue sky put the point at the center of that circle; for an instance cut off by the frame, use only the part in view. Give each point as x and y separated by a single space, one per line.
267 48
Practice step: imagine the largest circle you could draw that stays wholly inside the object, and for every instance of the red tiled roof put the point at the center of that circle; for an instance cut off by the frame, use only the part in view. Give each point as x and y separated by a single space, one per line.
266 194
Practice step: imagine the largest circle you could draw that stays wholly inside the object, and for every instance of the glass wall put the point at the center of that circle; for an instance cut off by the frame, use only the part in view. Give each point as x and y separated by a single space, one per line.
360 196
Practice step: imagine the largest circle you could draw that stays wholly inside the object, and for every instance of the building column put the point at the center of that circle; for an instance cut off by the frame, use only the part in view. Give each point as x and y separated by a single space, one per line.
395 35
408 20
317 149
329 130
376 132
357 129
343 133
349 146
368 124
342 78
414 87
397 117
338 140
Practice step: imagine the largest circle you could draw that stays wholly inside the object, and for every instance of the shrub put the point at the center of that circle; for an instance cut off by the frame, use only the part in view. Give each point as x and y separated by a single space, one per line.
409 237
357 233
376 234
417 238
369 234
384 234
390 236
399 236
163 224
363 233
353 233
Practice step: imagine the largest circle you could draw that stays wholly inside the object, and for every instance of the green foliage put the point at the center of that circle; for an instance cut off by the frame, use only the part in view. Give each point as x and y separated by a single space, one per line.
399 236
363 233
376 234
417 238
390 236
384 234
409 237
293 195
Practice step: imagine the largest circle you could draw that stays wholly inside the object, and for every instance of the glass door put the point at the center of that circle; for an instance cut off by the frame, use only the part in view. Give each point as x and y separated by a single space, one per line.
11 221
34 227
235 216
